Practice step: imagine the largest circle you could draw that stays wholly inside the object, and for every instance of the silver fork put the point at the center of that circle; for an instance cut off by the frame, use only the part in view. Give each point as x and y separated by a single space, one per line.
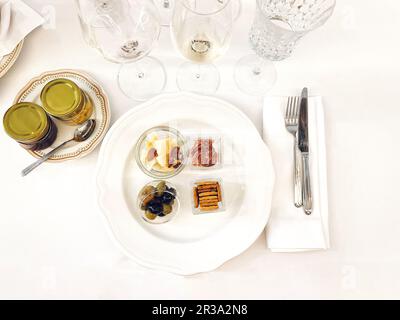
292 125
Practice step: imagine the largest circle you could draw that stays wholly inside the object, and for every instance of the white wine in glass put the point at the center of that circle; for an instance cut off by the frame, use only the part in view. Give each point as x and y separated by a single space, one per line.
202 32
202 48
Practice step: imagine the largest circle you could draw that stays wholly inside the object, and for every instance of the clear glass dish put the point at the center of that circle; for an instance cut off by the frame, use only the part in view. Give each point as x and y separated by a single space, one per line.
208 196
161 152
158 202
205 151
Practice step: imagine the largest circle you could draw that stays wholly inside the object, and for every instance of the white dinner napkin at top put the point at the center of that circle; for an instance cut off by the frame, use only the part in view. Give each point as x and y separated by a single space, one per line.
289 229
17 20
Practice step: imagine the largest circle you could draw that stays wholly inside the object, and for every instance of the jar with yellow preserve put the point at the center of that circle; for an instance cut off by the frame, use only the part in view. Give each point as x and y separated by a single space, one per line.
29 125
64 100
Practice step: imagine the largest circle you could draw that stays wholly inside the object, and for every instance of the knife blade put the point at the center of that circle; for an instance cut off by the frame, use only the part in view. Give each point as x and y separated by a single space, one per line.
303 145
303 123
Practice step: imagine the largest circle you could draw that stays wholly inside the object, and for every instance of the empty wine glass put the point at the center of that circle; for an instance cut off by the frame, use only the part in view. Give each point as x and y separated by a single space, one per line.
88 9
125 31
165 7
277 27
202 32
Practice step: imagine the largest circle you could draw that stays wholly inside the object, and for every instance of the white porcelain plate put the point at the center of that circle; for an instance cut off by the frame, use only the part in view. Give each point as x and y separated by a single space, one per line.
31 92
189 243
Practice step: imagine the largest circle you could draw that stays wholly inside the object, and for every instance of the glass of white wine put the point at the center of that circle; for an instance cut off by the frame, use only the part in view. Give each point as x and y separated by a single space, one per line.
202 32
124 32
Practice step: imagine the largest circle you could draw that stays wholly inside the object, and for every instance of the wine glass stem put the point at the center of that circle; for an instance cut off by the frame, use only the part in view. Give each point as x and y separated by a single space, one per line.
257 69
199 72
140 74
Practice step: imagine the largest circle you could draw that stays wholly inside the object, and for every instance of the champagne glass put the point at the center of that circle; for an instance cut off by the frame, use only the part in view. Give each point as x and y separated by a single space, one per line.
124 32
277 27
202 32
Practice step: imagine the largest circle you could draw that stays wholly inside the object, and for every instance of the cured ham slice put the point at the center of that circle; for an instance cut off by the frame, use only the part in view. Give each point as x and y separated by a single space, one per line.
203 153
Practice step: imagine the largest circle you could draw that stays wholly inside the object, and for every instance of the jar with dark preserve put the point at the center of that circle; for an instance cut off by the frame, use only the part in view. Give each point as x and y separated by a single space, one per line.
29 125
64 100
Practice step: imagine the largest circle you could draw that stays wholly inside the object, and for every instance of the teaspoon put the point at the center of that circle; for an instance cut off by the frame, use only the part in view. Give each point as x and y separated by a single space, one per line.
81 134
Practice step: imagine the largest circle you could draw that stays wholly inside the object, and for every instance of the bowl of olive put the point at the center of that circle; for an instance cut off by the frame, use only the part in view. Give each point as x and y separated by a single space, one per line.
158 202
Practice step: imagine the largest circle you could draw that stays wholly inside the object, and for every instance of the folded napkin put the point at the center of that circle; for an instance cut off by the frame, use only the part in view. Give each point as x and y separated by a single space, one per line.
17 20
289 228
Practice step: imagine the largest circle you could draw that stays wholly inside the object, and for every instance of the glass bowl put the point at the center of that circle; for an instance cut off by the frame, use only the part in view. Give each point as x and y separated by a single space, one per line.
158 202
161 152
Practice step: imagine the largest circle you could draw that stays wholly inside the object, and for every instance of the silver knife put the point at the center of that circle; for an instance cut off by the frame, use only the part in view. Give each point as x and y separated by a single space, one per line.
304 149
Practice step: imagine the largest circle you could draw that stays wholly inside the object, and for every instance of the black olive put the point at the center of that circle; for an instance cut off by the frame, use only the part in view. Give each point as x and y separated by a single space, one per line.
155 207
167 198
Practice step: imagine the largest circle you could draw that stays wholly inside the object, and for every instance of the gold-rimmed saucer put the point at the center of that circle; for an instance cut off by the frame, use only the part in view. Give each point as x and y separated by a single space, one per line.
101 113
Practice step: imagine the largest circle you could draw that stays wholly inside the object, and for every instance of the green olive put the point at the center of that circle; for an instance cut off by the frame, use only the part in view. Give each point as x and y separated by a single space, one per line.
167 209
150 216
161 187
146 191
146 201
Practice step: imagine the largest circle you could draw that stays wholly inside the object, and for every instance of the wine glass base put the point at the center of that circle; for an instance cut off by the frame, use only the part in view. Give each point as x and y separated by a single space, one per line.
255 76
198 78
143 79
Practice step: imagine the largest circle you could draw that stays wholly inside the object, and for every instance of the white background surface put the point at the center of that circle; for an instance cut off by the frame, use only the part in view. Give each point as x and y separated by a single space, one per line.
53 243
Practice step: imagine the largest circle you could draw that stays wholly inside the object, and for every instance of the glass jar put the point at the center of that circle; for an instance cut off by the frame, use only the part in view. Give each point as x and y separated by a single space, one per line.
64 100
29 125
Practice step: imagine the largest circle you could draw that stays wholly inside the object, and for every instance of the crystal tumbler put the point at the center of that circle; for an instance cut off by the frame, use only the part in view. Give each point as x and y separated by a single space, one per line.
279 24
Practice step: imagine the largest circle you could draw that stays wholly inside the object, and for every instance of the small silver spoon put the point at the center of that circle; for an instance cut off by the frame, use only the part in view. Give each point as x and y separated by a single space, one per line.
81 133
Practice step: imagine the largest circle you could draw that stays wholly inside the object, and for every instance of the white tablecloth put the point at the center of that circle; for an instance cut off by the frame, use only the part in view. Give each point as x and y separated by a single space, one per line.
53 243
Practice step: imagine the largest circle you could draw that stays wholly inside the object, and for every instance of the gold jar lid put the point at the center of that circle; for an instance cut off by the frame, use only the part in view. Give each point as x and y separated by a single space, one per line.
61 97
26 122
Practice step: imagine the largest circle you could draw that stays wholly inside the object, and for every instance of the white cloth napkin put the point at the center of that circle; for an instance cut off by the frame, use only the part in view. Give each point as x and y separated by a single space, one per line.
289 229
17 20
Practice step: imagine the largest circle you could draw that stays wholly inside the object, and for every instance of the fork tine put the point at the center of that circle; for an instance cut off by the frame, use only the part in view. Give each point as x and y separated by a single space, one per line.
295 104
292 116
297 109
291 109
289 102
